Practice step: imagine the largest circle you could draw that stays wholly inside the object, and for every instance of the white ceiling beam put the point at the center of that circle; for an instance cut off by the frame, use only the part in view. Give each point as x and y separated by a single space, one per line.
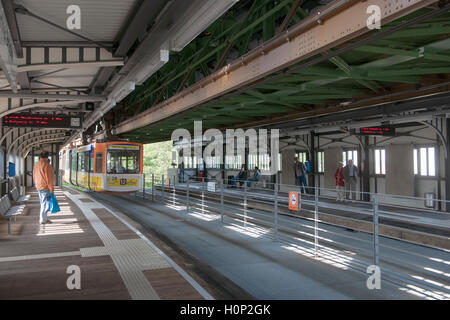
86 64
8 57
71 97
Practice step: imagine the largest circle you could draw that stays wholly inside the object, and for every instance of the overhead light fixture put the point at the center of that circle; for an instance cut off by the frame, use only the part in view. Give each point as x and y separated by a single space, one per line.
200 21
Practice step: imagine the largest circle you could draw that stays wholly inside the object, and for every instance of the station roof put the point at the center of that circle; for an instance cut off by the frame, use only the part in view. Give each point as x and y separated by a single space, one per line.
152 66
410 62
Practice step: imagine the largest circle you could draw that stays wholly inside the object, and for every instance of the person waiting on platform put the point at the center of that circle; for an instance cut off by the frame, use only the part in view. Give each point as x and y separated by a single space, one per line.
241 177
351 174
339 176
300 175
255 178
43 179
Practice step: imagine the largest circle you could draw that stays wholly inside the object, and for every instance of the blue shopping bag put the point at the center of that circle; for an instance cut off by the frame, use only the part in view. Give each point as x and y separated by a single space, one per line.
53 204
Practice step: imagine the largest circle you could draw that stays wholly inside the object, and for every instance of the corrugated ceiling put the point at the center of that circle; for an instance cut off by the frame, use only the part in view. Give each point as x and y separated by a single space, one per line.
101 20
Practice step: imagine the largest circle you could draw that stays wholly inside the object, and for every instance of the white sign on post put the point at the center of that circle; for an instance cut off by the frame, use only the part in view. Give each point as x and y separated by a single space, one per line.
212 186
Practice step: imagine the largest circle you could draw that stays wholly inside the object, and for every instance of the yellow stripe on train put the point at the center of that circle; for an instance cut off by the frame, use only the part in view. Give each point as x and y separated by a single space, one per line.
118 182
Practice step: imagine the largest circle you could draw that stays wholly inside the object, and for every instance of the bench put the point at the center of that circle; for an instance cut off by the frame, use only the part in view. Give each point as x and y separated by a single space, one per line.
17 197
8 211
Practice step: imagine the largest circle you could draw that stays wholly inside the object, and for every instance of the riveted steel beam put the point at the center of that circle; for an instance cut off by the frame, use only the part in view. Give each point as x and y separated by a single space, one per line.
334 25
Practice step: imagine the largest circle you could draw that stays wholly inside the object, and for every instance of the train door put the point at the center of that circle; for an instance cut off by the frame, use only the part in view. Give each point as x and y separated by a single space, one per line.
99 167
74 167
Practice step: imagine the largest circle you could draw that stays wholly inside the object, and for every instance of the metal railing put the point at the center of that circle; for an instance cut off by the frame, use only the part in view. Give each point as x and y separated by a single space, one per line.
345 234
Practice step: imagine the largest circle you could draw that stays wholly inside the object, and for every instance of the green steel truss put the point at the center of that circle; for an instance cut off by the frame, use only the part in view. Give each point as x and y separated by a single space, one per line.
411 57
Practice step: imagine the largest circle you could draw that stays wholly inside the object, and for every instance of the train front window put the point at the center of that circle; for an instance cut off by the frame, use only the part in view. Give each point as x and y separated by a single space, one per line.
123 161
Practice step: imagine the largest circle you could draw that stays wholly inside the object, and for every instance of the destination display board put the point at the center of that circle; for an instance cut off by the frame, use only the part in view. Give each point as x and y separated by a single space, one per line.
28 120
375 131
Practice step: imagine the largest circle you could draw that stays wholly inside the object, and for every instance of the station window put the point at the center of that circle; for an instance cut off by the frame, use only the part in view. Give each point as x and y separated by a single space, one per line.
301 156
188 164
213 162
424 161
380 161
350 155
252 161
233 162
320 162
262 161
280 158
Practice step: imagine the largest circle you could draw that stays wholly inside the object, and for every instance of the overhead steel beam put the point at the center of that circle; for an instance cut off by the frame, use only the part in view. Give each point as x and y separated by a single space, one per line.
26 151
71 97
334 25
386 109
146 15
86 64
36 133
24 144
181 23
54 104
8 56
8 6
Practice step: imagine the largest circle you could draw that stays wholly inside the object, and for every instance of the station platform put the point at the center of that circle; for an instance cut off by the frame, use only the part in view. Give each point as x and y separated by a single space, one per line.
252 259
116 261
128 247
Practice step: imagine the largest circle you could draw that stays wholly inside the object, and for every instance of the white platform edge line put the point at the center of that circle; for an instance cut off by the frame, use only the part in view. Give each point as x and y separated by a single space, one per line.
183 273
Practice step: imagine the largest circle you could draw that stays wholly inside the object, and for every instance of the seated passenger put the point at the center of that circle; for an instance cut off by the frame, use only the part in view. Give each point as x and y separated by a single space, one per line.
118 168
255 178
241 177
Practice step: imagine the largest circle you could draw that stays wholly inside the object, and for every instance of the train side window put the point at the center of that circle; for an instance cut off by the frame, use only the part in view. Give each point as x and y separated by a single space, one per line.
91 161
99 162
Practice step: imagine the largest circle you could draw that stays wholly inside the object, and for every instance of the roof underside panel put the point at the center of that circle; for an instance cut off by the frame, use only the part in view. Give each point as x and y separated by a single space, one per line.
100 20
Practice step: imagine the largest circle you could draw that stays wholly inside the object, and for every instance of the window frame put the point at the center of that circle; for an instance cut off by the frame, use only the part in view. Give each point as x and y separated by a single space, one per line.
375 165
418 165
346 151
320 163
98 160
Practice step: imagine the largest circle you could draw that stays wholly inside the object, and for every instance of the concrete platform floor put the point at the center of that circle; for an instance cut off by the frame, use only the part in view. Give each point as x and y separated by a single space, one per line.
115 260
263 267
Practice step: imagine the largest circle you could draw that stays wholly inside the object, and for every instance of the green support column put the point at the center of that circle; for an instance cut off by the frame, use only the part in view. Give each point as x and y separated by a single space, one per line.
447 165
365 175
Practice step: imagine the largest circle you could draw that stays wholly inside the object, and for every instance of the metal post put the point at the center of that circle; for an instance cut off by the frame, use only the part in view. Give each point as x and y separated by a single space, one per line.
174 191
221 201
187 197
203 195
300 201
162 187
245 204
143 186
275 204
316 221
153 187
375 231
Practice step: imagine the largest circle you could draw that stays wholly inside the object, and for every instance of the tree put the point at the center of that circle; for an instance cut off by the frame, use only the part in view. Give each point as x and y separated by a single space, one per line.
157 159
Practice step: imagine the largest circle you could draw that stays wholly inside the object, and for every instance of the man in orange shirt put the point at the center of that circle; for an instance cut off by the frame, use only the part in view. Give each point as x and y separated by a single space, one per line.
43 179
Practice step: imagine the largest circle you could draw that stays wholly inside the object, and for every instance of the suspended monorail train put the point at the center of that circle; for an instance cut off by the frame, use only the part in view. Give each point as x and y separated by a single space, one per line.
104 167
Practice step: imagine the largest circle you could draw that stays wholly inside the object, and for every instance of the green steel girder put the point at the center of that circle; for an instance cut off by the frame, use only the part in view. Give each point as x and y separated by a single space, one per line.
404 57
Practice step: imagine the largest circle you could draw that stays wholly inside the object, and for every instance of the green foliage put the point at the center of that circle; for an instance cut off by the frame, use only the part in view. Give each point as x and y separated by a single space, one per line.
157 159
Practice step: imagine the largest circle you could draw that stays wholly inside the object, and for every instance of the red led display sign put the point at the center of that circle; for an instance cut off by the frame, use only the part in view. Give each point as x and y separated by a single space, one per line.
376 131
24 120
